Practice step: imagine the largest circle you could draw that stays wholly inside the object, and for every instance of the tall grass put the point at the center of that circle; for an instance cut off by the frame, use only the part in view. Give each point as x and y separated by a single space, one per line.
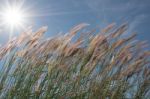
103 65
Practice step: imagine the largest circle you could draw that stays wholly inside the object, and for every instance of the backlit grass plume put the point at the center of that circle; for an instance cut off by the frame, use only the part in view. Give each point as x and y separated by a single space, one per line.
77 65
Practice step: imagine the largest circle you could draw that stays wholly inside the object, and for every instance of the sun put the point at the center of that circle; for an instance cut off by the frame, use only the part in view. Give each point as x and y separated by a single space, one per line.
13 16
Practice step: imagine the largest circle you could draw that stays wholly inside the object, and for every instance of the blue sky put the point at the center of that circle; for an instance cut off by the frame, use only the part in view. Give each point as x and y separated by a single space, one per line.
61 15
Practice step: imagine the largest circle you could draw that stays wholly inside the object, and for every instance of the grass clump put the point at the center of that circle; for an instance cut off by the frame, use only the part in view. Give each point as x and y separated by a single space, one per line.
106 65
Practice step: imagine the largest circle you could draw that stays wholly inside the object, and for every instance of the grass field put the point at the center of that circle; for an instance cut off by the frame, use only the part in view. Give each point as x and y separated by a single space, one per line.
102 65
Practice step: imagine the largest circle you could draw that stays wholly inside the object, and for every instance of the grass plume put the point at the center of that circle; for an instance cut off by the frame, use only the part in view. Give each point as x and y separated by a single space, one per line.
102 66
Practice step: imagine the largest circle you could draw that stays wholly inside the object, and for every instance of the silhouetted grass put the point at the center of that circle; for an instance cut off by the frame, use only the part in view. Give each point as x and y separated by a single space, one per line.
107 65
